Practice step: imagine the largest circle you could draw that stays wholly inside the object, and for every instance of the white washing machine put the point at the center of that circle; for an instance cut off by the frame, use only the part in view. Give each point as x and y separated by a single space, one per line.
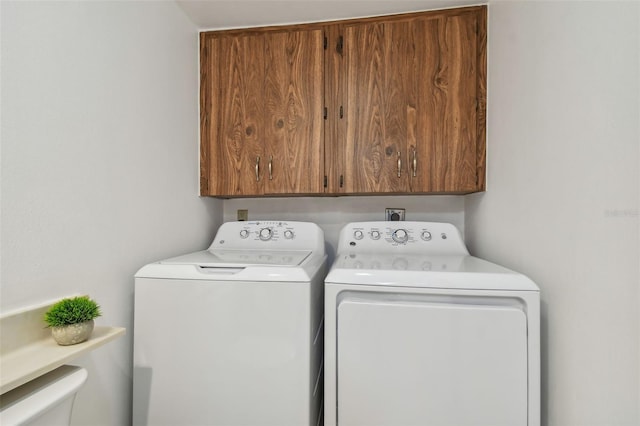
418 332
233 335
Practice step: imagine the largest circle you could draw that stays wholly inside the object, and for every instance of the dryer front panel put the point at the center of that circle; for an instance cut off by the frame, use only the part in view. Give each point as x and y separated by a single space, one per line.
416 359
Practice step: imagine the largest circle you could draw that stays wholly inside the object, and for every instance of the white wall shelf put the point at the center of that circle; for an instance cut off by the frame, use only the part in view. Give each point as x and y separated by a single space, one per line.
37 358
27 349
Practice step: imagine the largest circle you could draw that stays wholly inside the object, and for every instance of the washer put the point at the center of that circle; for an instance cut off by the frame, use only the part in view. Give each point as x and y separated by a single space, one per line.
418 332
233 335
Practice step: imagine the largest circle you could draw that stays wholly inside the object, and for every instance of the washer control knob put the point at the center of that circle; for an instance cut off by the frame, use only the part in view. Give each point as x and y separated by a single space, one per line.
426 235
288 234
358 235
265 234
375 235
244 233
400 236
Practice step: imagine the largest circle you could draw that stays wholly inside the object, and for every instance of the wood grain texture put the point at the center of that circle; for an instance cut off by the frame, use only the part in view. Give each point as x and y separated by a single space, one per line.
333 99
236 118
293 107
447 91
380 80
481 113
407 83
412 85
430 98
206 97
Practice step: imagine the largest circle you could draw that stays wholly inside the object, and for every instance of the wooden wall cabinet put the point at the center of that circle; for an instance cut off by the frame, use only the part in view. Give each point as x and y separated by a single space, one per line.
261 113
380 105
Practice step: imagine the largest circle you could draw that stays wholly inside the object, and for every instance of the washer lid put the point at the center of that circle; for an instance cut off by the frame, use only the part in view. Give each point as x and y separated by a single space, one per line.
413 270
234 258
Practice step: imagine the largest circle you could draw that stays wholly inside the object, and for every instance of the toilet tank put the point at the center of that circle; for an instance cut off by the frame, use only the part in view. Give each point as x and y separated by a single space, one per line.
45 401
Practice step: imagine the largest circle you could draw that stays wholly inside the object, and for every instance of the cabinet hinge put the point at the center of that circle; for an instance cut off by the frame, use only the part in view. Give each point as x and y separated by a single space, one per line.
325 113
326 42
341 181
326 183
341 112
340 45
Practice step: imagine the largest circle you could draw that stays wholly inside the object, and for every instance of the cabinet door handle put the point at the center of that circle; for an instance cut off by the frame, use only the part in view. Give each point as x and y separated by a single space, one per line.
415 162
258 168
399 164
270 167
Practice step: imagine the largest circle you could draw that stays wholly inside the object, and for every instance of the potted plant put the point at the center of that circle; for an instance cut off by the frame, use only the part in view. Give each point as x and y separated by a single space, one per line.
71 319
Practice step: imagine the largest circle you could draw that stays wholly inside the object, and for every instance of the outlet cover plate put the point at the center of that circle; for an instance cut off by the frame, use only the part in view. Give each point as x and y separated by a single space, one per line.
243 215
393 214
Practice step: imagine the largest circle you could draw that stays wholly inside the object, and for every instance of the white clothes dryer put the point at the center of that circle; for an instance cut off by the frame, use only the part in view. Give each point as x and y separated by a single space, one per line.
233 335
418 332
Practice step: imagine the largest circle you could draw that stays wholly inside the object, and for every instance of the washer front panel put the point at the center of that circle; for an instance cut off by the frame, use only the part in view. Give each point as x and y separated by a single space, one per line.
235 353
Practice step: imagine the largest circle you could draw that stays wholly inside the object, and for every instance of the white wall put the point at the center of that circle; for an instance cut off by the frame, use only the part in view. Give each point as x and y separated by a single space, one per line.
99 164
563 188
220 14
332 213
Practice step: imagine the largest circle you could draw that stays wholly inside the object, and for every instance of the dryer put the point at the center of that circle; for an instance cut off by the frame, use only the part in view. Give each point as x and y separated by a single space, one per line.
418 332
232 335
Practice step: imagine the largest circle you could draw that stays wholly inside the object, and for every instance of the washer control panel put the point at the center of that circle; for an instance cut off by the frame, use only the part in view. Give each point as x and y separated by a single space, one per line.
272 234
406 237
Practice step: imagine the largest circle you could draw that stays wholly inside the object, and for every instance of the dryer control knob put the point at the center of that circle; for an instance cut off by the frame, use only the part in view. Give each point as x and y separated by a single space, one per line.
358 235
375 235
265 234
400 236
288 234
244 233
426 235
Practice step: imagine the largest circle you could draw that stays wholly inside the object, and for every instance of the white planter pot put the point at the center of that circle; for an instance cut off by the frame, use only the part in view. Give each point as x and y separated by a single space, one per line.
72 333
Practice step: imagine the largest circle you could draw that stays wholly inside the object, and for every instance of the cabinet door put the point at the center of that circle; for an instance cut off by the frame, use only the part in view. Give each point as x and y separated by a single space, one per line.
446 153
380 111
293 107
232 114
414 89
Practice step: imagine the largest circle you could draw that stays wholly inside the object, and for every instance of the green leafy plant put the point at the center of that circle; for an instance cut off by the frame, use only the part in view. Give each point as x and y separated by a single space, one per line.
72 311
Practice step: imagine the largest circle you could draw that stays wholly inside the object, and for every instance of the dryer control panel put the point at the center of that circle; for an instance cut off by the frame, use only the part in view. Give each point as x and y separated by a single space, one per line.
402 237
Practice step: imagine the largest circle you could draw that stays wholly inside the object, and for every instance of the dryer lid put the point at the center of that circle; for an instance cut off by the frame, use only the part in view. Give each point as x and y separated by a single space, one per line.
425 271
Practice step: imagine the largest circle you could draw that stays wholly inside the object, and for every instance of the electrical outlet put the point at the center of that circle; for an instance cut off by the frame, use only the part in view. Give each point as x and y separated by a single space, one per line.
243 215
394 214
